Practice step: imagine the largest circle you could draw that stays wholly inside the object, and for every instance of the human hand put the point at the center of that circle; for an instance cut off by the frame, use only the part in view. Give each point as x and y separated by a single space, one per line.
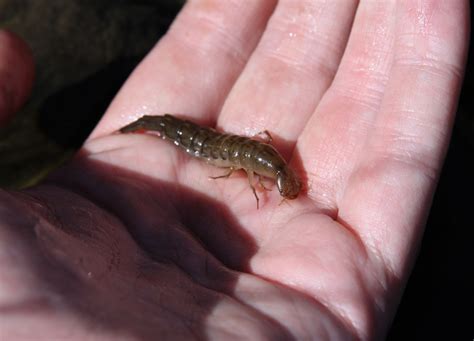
133 240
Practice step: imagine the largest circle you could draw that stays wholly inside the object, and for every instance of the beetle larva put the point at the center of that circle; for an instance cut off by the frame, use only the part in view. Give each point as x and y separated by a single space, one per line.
224 150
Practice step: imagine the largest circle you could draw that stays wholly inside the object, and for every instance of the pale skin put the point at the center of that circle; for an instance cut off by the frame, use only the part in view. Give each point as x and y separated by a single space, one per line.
133 241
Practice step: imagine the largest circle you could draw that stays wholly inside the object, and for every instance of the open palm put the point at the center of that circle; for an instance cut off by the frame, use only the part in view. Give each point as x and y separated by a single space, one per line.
133 239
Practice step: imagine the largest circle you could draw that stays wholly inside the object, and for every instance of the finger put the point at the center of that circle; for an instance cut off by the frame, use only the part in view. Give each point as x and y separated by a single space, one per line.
388 196
192 68
16 74
334 137
291 68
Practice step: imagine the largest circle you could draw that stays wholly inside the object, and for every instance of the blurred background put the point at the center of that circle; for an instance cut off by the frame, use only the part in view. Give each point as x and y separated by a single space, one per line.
85 49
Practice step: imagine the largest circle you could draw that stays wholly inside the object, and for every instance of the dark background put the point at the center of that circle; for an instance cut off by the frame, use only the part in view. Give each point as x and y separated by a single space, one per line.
84 51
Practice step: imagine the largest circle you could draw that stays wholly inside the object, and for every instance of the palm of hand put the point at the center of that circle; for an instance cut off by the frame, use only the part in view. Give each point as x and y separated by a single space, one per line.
134 236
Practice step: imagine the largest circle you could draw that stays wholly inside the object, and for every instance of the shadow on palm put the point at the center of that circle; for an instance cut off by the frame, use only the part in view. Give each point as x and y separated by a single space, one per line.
140 262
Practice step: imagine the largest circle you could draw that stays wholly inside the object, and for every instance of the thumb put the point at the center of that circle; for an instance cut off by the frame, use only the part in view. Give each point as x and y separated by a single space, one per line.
16 74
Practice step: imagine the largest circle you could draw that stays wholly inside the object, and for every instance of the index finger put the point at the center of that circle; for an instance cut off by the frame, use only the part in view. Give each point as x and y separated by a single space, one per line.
192 68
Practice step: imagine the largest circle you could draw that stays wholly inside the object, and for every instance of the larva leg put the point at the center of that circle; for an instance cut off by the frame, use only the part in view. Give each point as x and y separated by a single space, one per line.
266 136
260 182
251 181
284 200
226 175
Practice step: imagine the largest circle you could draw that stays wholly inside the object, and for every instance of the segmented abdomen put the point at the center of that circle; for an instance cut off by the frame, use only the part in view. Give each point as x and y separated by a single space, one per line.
224 150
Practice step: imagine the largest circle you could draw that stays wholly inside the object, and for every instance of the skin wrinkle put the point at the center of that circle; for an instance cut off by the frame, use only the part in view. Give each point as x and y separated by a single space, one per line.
414 163
368 91
431 65
366 79
370 100
318 66
401 145
411 114
399 139
229 43
391 134
300 57
212 18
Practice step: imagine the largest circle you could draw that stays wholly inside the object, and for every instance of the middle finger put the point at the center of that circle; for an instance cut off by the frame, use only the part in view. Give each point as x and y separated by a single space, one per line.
291 68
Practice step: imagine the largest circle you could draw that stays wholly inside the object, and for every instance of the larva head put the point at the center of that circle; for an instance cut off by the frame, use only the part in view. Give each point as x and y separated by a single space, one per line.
288 183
